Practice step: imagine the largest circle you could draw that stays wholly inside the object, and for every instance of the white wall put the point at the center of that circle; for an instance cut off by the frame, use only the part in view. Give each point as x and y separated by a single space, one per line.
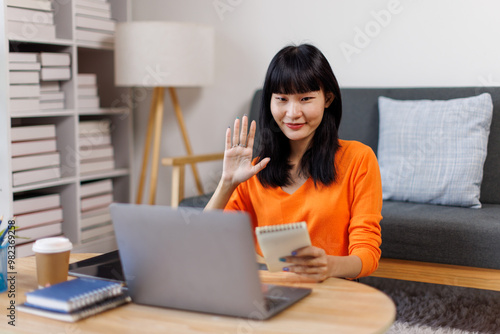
368 43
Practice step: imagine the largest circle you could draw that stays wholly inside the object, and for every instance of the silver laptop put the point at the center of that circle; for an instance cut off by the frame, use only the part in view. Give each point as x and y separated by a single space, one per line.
193 260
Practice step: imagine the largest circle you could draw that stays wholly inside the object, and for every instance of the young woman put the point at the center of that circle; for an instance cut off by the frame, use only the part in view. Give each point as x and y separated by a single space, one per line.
304 172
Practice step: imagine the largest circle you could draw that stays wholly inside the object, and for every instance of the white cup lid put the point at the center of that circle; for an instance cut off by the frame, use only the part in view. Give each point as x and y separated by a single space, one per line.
52 245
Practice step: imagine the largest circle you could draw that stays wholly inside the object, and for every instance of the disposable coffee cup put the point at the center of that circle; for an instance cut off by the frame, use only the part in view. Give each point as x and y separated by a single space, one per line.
52 260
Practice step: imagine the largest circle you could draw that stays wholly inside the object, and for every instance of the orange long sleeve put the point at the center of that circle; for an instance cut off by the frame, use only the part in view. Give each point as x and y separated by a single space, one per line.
343 218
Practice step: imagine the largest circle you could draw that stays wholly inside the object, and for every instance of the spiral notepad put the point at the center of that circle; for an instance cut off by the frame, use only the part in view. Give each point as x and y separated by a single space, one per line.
73 295
277 241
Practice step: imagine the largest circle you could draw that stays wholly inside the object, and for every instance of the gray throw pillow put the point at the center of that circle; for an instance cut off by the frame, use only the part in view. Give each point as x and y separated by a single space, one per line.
434 151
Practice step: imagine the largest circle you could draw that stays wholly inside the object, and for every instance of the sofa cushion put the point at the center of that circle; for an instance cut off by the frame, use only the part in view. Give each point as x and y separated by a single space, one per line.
441 234
434 151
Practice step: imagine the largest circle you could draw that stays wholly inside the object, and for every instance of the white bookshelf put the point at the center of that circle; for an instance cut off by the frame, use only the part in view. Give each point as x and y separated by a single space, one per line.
86 57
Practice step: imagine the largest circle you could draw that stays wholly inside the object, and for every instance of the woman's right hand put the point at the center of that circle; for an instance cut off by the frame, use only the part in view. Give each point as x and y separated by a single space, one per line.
237 165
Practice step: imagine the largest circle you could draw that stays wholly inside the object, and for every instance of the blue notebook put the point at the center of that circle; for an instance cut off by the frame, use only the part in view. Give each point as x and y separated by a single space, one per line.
76 315
73 295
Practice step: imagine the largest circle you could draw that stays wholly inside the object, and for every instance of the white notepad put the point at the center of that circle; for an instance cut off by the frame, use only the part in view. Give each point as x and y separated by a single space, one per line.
278 241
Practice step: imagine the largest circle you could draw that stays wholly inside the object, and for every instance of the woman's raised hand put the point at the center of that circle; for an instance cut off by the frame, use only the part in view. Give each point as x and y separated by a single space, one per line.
237 166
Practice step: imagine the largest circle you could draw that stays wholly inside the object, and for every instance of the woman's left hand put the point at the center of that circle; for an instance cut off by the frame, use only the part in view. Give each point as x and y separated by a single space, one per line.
311 262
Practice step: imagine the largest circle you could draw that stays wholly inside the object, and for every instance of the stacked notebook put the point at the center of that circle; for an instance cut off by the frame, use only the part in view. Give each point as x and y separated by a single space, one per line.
74 300
87 91
30 19
34 154
37 216
94 24
35 80
96 151
95 216
24 75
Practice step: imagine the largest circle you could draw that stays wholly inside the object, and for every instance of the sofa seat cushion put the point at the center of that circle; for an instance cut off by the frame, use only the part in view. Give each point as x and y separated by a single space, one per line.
441 234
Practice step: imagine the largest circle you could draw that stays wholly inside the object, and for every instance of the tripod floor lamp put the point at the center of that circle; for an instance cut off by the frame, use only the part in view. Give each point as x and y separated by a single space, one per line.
160 55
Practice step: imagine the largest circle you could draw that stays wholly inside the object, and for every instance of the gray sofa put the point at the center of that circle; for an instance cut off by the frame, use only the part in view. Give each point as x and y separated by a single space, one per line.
424 232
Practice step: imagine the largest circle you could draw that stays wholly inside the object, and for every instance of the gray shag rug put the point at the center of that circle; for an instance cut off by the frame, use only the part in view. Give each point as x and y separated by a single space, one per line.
424 308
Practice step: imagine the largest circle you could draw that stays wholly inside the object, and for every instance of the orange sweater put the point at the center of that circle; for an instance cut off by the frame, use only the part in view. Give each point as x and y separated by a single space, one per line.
343 218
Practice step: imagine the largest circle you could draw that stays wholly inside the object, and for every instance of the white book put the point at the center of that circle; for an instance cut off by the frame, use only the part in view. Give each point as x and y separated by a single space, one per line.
86 79
93 4
23 57
33 147
87 91
39 218
51 96
92 140
55 73
51 105
96 153
24 250
96 188
45 5
58 59
96 202
32 31
23 77
88 102
102 126
29 15
38 232
94 36
92 12
50 86
95 220
32 132
96 166
95 23
94 212
36 203
35 175
20 91
34 161
21 105
24 66
97 232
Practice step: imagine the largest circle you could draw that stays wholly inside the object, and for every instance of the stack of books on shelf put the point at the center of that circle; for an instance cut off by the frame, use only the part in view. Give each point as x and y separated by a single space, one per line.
75 299
34 80
55 66
96 151
93 22
24 73
34 154
95 198
87 91
51 95
30 19
37 216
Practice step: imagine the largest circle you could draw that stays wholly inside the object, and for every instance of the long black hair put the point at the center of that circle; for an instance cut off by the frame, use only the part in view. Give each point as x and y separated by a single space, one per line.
296 70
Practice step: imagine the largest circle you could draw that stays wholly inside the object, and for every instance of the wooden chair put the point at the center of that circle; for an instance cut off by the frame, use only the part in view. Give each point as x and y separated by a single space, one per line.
179 165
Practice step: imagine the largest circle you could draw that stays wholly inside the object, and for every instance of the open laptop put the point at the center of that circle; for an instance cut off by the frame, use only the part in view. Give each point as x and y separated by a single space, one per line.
194 260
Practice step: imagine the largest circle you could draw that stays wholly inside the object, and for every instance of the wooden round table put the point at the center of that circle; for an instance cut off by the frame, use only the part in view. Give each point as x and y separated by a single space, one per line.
334 306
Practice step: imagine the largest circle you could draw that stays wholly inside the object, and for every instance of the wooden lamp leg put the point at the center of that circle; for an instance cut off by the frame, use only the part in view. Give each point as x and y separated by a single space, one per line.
156 144
147 146
182 125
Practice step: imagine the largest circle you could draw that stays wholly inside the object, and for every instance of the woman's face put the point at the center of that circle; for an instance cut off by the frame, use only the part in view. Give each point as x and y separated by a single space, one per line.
299 115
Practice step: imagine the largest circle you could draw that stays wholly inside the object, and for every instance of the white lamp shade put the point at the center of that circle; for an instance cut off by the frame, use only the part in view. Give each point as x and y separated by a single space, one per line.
163 54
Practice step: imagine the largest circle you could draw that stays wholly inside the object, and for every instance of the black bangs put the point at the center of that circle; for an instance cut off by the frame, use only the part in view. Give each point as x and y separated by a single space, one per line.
294 73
